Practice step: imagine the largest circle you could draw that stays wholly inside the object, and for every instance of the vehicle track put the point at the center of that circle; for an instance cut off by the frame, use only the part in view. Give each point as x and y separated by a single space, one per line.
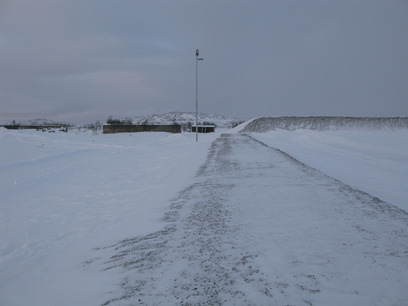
208 252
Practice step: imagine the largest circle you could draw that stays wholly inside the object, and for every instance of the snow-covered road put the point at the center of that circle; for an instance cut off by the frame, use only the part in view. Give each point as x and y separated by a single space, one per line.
258 227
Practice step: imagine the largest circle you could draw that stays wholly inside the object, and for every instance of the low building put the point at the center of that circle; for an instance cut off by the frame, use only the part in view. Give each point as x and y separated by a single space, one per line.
110 129
203 128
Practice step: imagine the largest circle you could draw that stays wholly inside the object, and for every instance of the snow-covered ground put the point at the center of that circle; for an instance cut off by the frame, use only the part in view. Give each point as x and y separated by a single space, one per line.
62 194
375 161
158 218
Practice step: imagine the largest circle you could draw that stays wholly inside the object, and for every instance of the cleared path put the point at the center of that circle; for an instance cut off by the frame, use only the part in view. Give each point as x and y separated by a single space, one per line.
257 227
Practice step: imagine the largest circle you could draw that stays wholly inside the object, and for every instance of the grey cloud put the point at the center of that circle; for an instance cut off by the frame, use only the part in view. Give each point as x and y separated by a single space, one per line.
83 60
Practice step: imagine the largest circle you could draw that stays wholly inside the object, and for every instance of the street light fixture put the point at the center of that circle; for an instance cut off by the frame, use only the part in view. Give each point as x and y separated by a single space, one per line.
197 59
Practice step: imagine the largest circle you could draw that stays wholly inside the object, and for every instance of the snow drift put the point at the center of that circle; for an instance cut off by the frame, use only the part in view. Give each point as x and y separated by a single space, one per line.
322 123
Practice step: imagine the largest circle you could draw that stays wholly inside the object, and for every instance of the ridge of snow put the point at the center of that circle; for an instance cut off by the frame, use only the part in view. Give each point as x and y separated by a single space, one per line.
241 126
323 123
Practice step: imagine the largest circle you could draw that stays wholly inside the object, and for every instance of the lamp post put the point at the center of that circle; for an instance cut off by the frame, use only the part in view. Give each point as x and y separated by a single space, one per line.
197 59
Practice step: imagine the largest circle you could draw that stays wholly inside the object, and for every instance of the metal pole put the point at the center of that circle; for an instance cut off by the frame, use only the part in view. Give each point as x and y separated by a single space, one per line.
197 59
197 53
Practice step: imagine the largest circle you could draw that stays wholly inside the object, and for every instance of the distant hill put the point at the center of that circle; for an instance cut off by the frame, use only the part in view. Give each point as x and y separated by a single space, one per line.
184 118
322 123
39 122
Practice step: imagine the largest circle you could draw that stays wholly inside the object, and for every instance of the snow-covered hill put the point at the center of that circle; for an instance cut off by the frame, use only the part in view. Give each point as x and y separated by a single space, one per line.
40 121
184 118
323 123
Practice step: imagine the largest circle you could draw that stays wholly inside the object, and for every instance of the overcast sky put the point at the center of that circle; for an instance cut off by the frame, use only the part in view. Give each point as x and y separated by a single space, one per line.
83 60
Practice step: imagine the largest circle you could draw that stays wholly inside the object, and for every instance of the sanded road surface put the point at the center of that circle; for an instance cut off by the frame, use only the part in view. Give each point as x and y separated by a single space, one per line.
258 227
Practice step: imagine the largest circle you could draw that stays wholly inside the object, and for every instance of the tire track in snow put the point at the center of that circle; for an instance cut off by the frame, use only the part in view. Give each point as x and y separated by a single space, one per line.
207 253
196 250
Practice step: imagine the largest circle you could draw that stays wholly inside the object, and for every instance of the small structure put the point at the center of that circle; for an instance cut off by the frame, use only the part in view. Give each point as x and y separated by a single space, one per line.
203 128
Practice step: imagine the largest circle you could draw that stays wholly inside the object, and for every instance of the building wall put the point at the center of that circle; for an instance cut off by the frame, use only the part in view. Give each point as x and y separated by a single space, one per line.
203 129
109 129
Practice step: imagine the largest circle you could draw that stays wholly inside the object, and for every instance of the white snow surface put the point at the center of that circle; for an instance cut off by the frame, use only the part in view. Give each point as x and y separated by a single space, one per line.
374 161
158 219
324 123
62 194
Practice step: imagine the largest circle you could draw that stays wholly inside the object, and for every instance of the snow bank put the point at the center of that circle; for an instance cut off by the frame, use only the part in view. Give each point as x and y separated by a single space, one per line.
321 123
241 126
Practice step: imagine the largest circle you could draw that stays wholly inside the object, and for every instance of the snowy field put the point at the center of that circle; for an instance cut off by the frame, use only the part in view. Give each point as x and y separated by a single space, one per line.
62 194
374 161
88 220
